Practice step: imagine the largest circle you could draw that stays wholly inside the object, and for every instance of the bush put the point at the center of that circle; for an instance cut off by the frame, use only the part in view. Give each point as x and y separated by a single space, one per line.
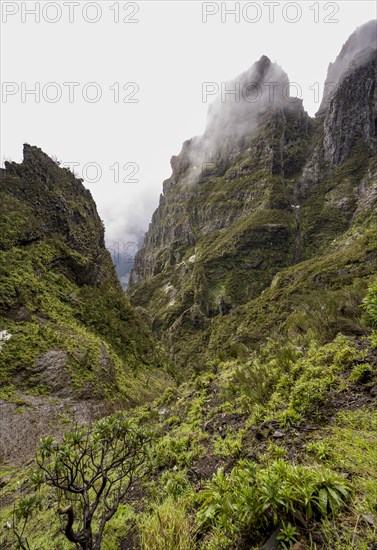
323 314
319 449
319 372
251 497
256 380
361 373
173 484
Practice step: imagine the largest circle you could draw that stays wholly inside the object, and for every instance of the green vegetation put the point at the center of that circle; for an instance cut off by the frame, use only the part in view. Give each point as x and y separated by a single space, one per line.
166 528
261 268
59 294
370 304
273 442
249 498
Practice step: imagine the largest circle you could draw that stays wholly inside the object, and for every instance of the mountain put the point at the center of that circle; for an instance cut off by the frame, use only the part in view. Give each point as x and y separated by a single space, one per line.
268 206
258 275
72 346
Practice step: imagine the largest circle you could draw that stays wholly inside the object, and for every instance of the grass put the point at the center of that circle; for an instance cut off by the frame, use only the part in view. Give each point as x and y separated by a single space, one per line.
167 528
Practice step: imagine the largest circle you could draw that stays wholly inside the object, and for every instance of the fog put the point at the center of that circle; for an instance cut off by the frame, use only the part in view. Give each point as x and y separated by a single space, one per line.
237 112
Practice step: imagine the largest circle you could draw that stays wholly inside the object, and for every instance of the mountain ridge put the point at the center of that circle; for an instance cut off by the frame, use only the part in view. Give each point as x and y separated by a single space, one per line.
261 202
73 346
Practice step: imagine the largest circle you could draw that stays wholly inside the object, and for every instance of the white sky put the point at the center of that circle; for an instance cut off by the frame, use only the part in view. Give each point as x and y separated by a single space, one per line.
169 53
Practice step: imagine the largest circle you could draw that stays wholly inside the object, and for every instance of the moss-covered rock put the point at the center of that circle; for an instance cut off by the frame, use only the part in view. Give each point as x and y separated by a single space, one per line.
71 332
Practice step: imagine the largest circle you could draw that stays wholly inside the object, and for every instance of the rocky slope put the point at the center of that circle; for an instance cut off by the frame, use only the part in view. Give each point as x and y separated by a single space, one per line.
268 198
71 344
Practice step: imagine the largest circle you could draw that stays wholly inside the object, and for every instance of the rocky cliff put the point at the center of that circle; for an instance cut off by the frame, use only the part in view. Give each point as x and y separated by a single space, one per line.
266 198
71 346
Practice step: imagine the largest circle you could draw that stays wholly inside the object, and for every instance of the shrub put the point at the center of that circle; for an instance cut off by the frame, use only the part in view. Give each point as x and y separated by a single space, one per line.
318 372
308 393
361 373
274 451
173 484
230 445
323 314
91 470
289 418
287 536
256 380
319 449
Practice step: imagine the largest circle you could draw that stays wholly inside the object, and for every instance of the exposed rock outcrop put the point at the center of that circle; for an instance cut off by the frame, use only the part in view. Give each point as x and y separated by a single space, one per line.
359 45
265 188
69 339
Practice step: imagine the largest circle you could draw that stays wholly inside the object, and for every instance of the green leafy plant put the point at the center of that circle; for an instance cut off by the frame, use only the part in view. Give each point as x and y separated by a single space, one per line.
173 484
332 492
251 497
274 451
289 418
319 449
361 373
288 535
256 380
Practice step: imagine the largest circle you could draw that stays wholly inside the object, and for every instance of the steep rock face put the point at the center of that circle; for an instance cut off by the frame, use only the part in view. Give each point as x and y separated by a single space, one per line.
241 139
225 224
54 203
238 211
361 42
351 117
70 339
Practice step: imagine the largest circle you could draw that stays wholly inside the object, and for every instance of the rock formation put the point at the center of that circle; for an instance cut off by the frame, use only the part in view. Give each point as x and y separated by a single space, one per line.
70 343
265 189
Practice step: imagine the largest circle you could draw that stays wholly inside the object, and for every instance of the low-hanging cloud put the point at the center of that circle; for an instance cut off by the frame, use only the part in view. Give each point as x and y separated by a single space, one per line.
237 112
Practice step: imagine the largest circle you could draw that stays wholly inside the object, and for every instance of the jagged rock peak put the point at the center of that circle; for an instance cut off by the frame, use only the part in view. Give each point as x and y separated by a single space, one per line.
59 207
33 154
263 62
38 171
242 106
37 162
358 48
236 112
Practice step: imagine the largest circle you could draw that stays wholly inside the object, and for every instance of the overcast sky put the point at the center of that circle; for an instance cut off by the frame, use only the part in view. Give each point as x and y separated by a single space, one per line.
119 85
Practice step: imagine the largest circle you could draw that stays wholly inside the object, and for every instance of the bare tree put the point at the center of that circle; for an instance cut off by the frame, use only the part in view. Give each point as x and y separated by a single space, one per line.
92 471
